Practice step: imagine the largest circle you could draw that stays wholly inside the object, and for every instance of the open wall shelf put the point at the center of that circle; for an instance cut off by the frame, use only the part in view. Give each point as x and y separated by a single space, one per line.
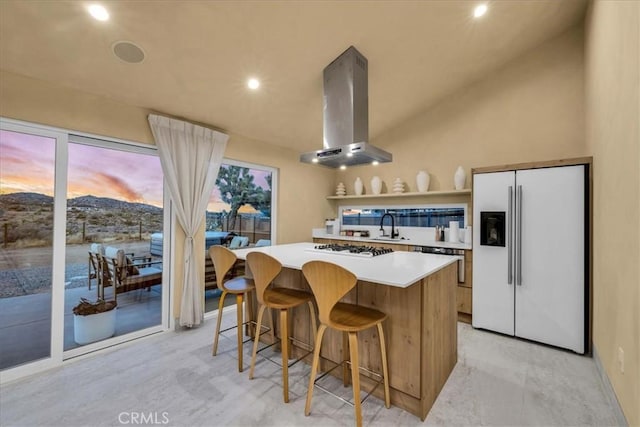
465 192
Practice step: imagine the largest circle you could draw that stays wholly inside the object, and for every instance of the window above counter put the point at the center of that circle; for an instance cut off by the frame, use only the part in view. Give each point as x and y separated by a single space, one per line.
421 216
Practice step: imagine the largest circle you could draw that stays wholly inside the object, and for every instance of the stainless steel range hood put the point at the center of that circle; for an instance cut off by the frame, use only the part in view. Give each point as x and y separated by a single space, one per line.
346 115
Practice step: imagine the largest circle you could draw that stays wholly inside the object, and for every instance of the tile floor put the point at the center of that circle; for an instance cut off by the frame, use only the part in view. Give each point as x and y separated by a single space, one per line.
172 379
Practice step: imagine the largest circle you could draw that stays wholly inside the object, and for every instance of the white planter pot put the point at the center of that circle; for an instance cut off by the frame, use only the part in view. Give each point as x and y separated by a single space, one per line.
95 327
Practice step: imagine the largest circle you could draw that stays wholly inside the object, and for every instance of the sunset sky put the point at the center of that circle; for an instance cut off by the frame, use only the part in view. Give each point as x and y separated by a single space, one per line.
27 165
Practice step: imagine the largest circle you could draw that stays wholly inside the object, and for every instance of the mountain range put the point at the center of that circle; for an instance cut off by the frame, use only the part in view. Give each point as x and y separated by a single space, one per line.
87 201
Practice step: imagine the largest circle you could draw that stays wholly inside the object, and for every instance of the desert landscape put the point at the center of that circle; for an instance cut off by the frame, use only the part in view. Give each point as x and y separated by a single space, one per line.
26 253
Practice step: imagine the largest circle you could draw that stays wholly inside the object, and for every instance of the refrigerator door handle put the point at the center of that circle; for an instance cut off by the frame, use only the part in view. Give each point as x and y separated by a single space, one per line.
519 238
510 231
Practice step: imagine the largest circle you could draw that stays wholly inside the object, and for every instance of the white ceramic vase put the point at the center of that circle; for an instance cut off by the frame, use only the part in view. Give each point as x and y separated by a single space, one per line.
358 186
422 181
459 178
376 185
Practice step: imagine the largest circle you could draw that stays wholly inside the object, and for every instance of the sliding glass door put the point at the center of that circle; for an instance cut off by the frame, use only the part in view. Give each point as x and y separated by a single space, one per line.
114 205
27 177
70 207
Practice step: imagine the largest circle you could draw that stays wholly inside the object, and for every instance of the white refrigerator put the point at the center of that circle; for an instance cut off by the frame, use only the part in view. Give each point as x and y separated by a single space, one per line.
530 254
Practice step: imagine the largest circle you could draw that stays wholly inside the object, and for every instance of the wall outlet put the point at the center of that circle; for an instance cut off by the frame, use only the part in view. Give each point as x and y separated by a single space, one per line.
621 359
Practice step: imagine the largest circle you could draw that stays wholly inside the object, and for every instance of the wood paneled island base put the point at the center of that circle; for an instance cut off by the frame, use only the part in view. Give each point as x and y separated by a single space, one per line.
421 333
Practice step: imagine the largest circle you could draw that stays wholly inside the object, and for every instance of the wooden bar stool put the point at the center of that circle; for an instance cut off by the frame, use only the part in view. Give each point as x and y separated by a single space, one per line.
329 283
223 259
264 269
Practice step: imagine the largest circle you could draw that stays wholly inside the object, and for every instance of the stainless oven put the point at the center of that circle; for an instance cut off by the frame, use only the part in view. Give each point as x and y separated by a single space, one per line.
446 251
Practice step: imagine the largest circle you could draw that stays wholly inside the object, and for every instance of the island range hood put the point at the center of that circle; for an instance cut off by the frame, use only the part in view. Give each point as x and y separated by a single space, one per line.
346 115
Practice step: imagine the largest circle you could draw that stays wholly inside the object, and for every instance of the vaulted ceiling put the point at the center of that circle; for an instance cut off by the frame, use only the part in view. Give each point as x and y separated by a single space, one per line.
199 54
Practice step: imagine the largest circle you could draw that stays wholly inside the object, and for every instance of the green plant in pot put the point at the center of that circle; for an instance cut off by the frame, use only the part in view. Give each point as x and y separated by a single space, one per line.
93 321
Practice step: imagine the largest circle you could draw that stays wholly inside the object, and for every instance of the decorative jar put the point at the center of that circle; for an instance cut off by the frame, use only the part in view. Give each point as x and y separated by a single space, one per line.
459 178
422 181
398 186
376 185
358 186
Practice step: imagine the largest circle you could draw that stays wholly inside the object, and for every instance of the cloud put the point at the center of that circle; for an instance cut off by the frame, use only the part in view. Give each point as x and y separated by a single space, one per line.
120 187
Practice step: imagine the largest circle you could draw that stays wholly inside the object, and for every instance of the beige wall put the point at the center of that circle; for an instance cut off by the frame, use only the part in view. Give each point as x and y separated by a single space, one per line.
299 206
529 110
613 135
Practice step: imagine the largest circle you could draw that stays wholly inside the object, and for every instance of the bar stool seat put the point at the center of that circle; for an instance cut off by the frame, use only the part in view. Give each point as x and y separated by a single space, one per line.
354 318
329 283
283 298
264 269
223 259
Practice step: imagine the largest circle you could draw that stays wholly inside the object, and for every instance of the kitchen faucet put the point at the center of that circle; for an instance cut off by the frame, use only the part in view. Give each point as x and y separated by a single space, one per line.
394 233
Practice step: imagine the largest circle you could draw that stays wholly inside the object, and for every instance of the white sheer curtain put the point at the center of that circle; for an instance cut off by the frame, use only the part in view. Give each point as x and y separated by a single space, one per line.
190 156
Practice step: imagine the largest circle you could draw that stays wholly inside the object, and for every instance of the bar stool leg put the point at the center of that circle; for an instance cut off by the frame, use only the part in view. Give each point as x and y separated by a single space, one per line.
314 323
248 313
345 367
385 371
314 368
217 333
256 339
239 329
272 324
284 342
355 375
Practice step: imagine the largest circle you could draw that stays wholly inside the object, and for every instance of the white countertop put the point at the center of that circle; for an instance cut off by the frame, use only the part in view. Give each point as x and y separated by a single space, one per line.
399 268
409 241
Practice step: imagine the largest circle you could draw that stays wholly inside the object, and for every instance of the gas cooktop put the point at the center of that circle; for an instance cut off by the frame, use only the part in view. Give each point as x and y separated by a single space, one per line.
353 250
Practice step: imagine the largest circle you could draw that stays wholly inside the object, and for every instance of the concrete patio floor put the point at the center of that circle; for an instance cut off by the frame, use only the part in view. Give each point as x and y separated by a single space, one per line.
25 321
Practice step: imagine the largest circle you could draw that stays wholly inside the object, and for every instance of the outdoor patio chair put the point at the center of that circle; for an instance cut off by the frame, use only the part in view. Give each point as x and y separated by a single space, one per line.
126 273
94 265
239 242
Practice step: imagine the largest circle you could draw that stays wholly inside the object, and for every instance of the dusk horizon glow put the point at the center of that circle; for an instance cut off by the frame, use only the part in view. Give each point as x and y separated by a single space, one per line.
27 164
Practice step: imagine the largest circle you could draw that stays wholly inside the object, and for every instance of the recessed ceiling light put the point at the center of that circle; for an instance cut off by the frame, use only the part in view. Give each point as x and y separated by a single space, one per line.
98 12
314 161
349 154
253 83
343 167
480 10
375 163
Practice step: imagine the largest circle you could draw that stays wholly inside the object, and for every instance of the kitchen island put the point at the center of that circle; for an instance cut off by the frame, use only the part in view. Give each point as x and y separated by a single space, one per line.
418 293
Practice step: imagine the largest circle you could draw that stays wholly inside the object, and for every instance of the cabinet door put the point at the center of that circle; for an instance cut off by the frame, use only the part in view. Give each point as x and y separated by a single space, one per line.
463 296
493 306
468 269
550 297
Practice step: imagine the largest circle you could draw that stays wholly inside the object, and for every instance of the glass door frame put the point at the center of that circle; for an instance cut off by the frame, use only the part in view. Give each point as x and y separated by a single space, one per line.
57 354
